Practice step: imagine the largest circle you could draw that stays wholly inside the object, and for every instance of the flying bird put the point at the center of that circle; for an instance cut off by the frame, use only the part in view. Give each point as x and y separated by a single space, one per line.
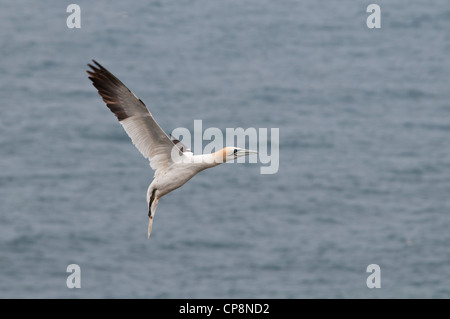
174 164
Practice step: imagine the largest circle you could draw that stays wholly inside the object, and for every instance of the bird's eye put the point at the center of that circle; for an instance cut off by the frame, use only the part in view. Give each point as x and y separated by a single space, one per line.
235 151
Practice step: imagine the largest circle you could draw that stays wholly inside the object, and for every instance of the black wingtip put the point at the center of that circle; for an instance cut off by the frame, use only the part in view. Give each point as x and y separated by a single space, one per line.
109 87
97 66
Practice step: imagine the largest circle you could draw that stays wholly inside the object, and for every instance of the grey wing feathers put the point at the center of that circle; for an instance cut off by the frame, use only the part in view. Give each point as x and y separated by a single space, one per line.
134 116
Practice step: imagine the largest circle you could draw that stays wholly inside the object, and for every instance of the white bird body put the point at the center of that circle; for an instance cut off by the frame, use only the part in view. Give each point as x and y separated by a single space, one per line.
173 177
173 163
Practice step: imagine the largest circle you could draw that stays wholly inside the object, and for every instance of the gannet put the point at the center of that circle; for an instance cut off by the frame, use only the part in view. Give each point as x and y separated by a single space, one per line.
174 164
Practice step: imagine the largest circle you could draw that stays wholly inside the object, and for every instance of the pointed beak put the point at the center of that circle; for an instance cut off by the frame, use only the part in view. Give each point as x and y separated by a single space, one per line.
249 152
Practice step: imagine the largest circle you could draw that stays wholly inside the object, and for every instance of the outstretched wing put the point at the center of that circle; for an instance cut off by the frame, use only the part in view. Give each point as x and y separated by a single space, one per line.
134 116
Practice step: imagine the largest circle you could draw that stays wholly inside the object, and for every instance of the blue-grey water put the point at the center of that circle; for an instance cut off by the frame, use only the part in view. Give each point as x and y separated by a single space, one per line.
364 176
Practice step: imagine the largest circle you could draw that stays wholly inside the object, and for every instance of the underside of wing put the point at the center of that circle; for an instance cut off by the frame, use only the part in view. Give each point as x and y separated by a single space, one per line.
134 116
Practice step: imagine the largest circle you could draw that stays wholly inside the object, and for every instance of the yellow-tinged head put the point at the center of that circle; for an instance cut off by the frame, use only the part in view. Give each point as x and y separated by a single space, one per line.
231 153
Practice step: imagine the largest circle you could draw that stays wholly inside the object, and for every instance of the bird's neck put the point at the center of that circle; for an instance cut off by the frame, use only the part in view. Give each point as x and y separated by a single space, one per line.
205 161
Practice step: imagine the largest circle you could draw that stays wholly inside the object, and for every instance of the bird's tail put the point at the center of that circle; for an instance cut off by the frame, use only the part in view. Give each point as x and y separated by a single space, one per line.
153 203
150 223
